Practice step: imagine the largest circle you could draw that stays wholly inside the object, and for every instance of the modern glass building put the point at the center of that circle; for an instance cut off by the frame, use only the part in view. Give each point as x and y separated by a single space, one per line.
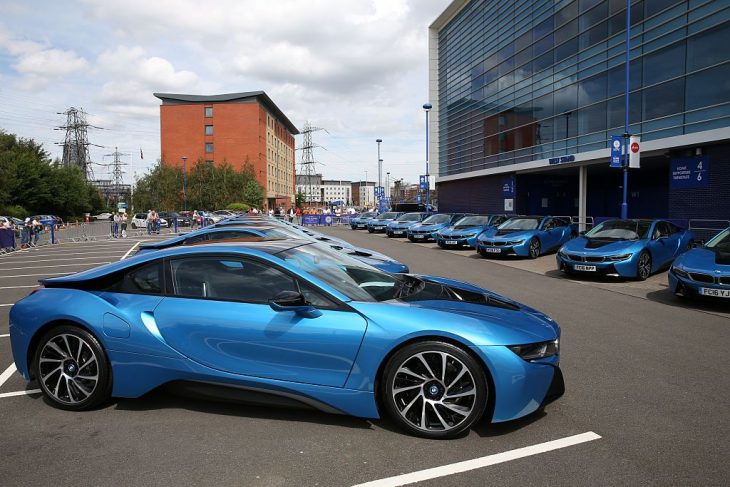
527 94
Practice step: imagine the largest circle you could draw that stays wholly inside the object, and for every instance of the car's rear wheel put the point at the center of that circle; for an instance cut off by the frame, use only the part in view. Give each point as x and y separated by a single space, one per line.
72 369
434 389
643 266
534 249
134 225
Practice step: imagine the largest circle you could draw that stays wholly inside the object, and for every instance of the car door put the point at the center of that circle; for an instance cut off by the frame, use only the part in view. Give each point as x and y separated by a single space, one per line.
219 316
550 234
661 246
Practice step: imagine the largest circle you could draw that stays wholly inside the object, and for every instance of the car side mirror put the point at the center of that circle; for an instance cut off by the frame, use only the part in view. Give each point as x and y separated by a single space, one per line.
293 301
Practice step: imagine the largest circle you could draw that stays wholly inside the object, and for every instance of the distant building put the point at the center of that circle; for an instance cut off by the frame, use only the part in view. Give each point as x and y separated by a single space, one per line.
363 193
310 187
337 190
111 193
239 128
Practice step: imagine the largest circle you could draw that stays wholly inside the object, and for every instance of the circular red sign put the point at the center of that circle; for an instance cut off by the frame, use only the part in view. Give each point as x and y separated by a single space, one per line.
635 147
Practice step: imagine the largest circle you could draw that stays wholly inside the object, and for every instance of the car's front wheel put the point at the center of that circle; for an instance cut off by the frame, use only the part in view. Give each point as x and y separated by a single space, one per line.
72 369
643 266
534 249
434 389
134 225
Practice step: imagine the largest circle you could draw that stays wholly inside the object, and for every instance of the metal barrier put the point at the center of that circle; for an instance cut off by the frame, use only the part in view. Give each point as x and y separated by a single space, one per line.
326 220
583 225
706 229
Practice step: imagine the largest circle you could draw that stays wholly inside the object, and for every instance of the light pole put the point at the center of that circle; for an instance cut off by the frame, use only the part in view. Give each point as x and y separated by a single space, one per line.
624 204
380 166
427 107
366 185
185 182
387 184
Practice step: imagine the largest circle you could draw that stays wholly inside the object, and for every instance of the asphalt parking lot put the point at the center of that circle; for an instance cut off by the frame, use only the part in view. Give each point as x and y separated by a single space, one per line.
647 391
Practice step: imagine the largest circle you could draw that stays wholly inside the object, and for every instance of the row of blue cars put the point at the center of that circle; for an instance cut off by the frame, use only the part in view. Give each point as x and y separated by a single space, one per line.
631 248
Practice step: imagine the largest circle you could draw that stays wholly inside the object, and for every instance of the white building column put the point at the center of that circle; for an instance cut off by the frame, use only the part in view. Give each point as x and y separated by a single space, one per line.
582 196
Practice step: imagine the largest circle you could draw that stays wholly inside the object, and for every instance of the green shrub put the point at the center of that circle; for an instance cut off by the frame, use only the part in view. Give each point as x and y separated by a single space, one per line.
238 207
16 211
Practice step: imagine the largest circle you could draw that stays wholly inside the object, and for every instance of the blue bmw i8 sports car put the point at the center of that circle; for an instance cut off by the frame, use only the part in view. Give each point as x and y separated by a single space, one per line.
627 248
466 230
378 224
526 236
360 222
399 227
703 271
428 228
234 232
292 320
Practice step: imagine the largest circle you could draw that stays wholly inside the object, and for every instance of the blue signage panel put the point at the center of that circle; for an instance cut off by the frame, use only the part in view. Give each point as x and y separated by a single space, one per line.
616 143
423 182
310 219
692 172
418 198
508 187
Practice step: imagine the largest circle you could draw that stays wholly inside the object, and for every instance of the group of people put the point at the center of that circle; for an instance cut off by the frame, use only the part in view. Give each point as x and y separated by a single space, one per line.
153 222
119 225
30 232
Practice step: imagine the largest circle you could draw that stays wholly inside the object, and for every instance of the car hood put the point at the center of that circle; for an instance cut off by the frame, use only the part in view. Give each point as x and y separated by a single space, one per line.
601 247
395 224
375 221
494 320
432 226
494 234
461 230
703 259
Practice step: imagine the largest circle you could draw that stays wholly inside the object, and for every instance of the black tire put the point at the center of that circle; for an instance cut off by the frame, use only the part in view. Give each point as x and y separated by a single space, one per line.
534 249
134 226
370 230
69 352
643 266
438 417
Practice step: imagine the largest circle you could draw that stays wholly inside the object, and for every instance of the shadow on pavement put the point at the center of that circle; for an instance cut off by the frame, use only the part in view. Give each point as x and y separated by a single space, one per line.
665 296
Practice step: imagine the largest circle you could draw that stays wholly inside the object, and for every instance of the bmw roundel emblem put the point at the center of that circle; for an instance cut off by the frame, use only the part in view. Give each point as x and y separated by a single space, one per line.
433 390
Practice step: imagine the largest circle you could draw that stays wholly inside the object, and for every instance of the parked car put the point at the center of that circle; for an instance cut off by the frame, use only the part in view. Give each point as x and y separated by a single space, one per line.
47 220
139 220
703 271
434 354
399 227
378 224
360 222
465 231
104 216
171 216
428 228
526 236
626 248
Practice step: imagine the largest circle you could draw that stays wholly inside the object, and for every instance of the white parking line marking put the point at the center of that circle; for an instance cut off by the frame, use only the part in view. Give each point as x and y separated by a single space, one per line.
38 275
20 393
129 251
56 265
17 287
63 255
5 335
6 375
454 468
1 305
24 261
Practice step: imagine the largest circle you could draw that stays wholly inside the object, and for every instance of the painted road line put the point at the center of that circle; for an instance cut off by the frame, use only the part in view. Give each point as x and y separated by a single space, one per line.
3 305
6 375
460 467
63 255
38 275
64 259
6 335
129 251
20 393
78 264
17 287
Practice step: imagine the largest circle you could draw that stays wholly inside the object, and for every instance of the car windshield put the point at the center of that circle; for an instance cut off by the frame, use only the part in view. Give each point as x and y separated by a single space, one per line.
356 280
720 242
473 221
435 219
520 224
387 216
621 230
367 215
409 217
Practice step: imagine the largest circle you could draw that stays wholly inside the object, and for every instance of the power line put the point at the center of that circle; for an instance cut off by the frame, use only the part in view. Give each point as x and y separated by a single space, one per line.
308 162
76 143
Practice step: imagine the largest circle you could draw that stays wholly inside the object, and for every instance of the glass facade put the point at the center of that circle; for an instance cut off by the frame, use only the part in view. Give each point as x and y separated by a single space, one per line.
522 80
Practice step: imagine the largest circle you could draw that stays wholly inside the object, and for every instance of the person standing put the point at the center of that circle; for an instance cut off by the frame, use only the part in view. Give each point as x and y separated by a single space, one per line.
291 215
299 216
115 225
149 222
123 220
36 230
25 234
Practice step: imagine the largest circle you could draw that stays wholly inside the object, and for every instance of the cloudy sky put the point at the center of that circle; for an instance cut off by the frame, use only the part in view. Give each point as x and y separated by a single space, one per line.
355 67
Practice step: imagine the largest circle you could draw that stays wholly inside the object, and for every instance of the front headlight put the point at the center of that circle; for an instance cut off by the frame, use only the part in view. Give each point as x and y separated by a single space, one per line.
469 235
619 257
680 272
561 253
535 351
516 242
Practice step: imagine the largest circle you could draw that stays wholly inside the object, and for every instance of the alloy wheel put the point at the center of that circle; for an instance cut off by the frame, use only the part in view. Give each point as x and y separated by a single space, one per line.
534 248
644 266
68 369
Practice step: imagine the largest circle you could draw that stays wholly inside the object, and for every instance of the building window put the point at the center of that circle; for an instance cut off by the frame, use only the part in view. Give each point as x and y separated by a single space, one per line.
208 111
208 147
208 130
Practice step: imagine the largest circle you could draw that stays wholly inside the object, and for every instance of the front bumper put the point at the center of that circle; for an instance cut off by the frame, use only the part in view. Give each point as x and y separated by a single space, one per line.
623 268
495 250
444 241
521 387
692 288
396 232
421 237
377 228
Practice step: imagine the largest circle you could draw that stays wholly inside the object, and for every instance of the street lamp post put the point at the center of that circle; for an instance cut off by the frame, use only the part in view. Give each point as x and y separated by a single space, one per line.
625 168
427 107
185 182
380 166
387 184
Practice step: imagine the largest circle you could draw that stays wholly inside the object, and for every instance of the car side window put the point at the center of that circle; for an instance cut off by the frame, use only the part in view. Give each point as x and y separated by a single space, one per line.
146 279
549 225
195 239
228 278
229 235
316 298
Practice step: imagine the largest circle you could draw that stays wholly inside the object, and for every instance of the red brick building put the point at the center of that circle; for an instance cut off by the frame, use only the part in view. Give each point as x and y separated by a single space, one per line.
238 128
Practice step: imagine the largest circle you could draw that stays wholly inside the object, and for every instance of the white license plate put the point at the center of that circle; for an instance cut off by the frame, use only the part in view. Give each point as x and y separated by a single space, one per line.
451 242
360 226
717 293
493 250
584 268
397 232
418 236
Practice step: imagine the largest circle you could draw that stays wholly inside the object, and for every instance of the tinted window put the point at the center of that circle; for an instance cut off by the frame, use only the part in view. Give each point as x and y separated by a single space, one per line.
231 234
228 278
664 64
141 280
195 239
664 99
315 298
702 48
708 87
